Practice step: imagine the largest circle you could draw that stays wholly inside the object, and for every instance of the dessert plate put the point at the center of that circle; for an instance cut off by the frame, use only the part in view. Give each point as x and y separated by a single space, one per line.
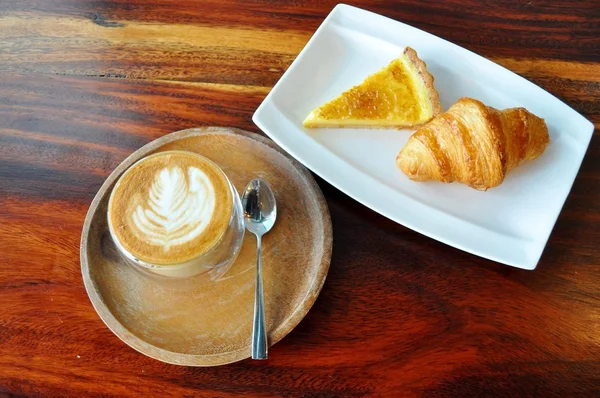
510 223
207 320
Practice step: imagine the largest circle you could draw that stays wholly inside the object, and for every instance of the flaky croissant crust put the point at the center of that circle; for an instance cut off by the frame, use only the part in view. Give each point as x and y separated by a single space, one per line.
473 144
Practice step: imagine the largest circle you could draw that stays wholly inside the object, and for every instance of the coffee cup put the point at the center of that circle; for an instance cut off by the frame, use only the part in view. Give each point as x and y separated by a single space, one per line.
176 214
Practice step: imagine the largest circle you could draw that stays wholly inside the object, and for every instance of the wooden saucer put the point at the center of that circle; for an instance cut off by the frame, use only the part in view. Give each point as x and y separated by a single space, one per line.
199 321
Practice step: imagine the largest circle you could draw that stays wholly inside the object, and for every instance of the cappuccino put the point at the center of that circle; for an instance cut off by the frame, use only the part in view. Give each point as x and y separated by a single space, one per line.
171 208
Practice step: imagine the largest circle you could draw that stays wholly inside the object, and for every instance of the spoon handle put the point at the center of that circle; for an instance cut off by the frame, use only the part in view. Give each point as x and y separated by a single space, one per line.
259 330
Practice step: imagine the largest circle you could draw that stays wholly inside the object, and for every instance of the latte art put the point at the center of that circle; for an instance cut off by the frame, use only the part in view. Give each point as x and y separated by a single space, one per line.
176 211
170 207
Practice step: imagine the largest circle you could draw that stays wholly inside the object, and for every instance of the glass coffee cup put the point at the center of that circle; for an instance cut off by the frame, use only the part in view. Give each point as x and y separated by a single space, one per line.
176 214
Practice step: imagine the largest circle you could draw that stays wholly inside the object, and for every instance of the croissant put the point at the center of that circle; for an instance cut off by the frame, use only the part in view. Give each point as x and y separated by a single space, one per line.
473 144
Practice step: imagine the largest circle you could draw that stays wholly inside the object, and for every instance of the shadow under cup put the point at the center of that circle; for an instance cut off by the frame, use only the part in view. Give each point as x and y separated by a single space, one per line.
215 261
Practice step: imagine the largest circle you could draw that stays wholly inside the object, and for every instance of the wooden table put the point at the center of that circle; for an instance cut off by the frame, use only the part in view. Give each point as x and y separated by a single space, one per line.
84 83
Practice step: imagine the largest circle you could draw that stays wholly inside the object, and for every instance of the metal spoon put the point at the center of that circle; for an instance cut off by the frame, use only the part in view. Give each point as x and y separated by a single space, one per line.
260 212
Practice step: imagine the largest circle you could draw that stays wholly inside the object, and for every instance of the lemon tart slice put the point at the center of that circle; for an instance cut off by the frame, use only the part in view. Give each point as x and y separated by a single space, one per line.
399 95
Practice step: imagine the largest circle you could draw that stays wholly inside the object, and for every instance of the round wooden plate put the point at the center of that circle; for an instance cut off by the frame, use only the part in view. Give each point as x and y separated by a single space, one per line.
203 321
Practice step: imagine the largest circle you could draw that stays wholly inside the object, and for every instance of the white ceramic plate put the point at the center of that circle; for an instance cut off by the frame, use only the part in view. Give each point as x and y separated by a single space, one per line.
509 224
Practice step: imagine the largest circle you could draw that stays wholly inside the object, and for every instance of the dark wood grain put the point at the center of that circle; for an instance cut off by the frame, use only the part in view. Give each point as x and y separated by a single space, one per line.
83 83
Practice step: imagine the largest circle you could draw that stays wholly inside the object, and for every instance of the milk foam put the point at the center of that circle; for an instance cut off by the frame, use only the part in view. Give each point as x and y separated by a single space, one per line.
176 211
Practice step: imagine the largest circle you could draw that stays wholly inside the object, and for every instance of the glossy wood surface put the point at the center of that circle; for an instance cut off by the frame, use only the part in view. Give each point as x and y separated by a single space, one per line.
85 83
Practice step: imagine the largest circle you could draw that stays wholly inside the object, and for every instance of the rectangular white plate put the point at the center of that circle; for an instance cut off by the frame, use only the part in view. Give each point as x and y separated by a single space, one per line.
510 223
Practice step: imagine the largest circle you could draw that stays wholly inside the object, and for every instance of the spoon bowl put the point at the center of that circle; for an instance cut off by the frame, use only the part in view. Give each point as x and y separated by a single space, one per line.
260 208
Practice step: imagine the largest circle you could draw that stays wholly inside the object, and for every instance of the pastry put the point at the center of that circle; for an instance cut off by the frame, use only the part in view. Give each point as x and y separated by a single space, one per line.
399 95
473 144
